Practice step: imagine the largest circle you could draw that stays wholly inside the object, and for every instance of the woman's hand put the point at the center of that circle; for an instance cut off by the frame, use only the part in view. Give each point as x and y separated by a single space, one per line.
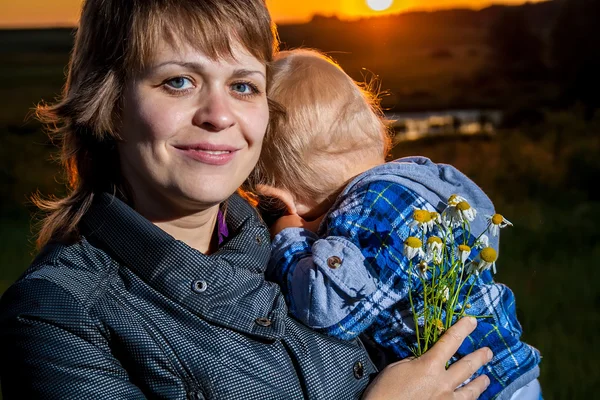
427 378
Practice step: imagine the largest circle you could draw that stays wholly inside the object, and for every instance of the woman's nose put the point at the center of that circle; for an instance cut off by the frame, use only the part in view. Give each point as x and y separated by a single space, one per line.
214 113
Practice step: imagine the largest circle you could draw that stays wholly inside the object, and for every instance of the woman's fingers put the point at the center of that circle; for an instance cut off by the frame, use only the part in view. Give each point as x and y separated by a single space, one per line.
426 376
450 341
464 368
473 389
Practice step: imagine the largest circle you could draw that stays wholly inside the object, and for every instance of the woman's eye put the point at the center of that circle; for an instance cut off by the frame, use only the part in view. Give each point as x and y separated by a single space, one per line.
179 83
244 88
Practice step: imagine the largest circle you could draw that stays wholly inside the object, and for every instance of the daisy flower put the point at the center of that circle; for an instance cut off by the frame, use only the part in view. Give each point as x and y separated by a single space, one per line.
464 252
413 247
422 267
497 222
458 211
466 211
421 219
473 268
483 241
434 248
435 218
487 259
455 199
451 218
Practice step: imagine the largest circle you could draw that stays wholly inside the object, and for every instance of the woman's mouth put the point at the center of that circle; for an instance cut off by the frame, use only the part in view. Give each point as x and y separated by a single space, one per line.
208 153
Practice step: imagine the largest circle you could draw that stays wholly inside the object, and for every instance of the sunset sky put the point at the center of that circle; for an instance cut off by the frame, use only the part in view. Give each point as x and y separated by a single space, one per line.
35 13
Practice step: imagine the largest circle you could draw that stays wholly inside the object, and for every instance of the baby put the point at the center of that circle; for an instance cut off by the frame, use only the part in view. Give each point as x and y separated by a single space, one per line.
338 255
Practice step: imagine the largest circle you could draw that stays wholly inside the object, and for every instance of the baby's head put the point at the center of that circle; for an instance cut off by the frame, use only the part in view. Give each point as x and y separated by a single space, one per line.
327 130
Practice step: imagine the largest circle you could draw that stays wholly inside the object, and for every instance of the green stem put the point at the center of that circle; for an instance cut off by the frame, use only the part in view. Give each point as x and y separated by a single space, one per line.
450 316
467 297
412 306
481 234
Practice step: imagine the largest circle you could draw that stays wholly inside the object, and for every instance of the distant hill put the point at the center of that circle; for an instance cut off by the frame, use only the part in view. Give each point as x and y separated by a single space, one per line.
435 28
423 60
51 40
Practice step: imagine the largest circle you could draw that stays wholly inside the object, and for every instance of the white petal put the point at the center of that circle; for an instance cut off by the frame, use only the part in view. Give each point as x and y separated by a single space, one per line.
494 230
484 240
464 255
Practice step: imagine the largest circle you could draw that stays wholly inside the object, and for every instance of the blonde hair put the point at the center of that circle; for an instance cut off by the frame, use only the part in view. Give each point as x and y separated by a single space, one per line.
116 40
325 116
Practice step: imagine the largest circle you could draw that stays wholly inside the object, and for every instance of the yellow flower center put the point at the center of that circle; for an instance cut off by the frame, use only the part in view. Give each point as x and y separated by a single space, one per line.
488 255
433 215
413 242
434 239
422 216
464 247
439 325
452 198
497 219
463 206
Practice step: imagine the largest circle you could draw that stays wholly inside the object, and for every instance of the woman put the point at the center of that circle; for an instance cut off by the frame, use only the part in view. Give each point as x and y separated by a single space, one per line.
150 278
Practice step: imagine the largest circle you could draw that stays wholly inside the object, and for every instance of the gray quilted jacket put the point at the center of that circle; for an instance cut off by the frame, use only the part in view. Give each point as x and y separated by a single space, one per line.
128 312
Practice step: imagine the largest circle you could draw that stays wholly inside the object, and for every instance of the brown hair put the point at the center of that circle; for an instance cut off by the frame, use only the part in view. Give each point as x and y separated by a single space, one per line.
115 40
326 116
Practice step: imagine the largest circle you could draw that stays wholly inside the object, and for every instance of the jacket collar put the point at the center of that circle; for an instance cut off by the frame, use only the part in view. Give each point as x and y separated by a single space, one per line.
236 293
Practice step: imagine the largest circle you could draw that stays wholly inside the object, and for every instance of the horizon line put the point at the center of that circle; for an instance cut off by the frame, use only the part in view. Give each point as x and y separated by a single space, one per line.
300 21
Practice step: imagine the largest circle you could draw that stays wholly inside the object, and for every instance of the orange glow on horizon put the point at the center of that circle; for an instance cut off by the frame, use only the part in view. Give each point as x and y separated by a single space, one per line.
49 13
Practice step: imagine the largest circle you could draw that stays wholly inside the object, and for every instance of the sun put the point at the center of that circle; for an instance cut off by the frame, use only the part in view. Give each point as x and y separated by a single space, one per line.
379 5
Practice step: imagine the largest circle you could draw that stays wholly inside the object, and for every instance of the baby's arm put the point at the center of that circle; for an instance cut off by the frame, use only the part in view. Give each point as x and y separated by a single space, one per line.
322 279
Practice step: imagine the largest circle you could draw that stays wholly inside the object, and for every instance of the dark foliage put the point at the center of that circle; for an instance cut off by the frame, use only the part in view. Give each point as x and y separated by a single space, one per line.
575 50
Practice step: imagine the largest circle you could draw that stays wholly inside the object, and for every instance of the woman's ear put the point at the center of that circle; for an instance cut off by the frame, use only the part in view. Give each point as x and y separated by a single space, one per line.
281 194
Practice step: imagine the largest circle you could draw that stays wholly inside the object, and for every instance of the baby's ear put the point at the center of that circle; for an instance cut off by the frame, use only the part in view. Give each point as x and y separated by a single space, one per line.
281 194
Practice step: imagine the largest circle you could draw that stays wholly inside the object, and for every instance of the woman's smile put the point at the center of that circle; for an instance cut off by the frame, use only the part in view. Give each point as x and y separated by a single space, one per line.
211 154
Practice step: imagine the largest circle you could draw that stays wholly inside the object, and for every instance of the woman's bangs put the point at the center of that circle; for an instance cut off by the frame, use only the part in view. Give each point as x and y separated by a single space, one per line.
215 32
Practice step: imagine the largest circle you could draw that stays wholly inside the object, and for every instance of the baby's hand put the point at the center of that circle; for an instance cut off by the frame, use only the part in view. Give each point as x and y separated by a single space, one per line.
294 221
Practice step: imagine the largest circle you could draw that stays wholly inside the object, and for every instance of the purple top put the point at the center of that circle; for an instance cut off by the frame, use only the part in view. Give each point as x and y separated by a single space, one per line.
222 230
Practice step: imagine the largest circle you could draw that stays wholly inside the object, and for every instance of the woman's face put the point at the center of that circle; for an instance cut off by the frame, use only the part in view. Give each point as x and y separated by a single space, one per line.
192 128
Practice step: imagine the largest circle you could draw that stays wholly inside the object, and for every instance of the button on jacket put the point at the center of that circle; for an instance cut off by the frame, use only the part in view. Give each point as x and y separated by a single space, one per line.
128 312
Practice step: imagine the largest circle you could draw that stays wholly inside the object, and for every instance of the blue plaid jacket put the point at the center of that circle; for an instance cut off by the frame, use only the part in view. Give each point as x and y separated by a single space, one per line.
352 278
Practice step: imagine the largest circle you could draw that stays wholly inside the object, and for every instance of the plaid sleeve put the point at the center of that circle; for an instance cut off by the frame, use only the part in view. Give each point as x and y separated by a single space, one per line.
376 219
321 278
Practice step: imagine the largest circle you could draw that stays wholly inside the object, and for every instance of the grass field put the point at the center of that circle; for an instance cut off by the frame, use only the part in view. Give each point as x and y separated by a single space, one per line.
549 258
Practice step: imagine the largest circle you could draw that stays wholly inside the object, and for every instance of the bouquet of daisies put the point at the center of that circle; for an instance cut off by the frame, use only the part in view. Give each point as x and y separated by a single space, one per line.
440 251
